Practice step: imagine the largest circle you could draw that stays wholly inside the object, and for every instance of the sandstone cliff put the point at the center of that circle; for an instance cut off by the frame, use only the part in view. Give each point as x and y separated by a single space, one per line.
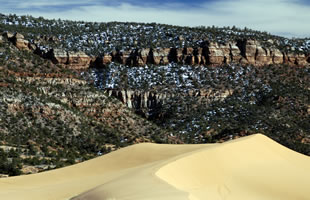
214 54
243 52
74 60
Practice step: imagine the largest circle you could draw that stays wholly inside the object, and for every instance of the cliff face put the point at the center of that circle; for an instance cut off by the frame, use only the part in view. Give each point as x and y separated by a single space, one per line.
214 54
209 53
145 102
245 52
74 60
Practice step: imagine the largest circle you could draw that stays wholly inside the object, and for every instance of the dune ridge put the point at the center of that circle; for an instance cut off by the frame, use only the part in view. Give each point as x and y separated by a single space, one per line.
249 168
253 167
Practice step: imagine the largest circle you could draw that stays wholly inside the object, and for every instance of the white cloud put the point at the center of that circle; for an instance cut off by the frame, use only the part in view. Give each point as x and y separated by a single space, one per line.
283 17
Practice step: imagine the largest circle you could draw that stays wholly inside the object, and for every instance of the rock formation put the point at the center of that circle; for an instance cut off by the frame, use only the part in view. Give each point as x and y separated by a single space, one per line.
78 60
217 54
276 56
20 42
74 60
147 101
160 56
58 56
214 54
244 51
143 56
8 35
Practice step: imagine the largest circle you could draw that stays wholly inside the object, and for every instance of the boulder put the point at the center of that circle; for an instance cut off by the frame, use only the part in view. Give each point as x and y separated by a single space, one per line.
20 42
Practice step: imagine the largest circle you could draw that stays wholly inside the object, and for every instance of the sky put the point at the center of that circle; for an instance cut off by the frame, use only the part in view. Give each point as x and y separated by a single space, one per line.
288 18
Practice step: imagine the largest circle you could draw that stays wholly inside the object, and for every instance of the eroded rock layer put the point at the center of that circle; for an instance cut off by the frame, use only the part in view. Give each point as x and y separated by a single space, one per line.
246 52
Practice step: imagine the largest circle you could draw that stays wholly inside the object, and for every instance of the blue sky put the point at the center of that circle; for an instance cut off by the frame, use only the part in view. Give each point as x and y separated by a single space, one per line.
283 17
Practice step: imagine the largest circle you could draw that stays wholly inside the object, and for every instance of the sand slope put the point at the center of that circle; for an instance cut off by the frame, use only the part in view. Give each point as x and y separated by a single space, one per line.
251 168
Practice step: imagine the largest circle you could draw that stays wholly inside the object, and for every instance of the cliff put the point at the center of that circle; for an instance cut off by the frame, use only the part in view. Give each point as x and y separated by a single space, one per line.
146 102
245 52
214 54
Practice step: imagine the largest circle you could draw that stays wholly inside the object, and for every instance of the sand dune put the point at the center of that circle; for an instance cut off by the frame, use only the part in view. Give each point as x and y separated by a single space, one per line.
253 167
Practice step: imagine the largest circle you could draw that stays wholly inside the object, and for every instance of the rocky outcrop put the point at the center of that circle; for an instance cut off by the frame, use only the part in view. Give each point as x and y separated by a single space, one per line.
73 60
78 60
296 59
276 56
139 99
255 54
20 42
214 54
244 51
143 56
57 56
235 53
187 55
7 35
145 102
160 56
101 61
218 54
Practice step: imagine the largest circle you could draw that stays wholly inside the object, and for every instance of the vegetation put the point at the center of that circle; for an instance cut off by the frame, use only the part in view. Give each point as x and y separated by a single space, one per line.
273 100
95 38
54 118
51 116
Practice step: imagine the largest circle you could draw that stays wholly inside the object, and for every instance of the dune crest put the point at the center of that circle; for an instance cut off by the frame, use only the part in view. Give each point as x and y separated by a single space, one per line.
253 167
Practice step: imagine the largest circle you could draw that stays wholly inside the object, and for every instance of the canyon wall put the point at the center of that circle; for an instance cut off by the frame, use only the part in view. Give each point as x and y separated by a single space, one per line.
244 52
240 52
146 102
